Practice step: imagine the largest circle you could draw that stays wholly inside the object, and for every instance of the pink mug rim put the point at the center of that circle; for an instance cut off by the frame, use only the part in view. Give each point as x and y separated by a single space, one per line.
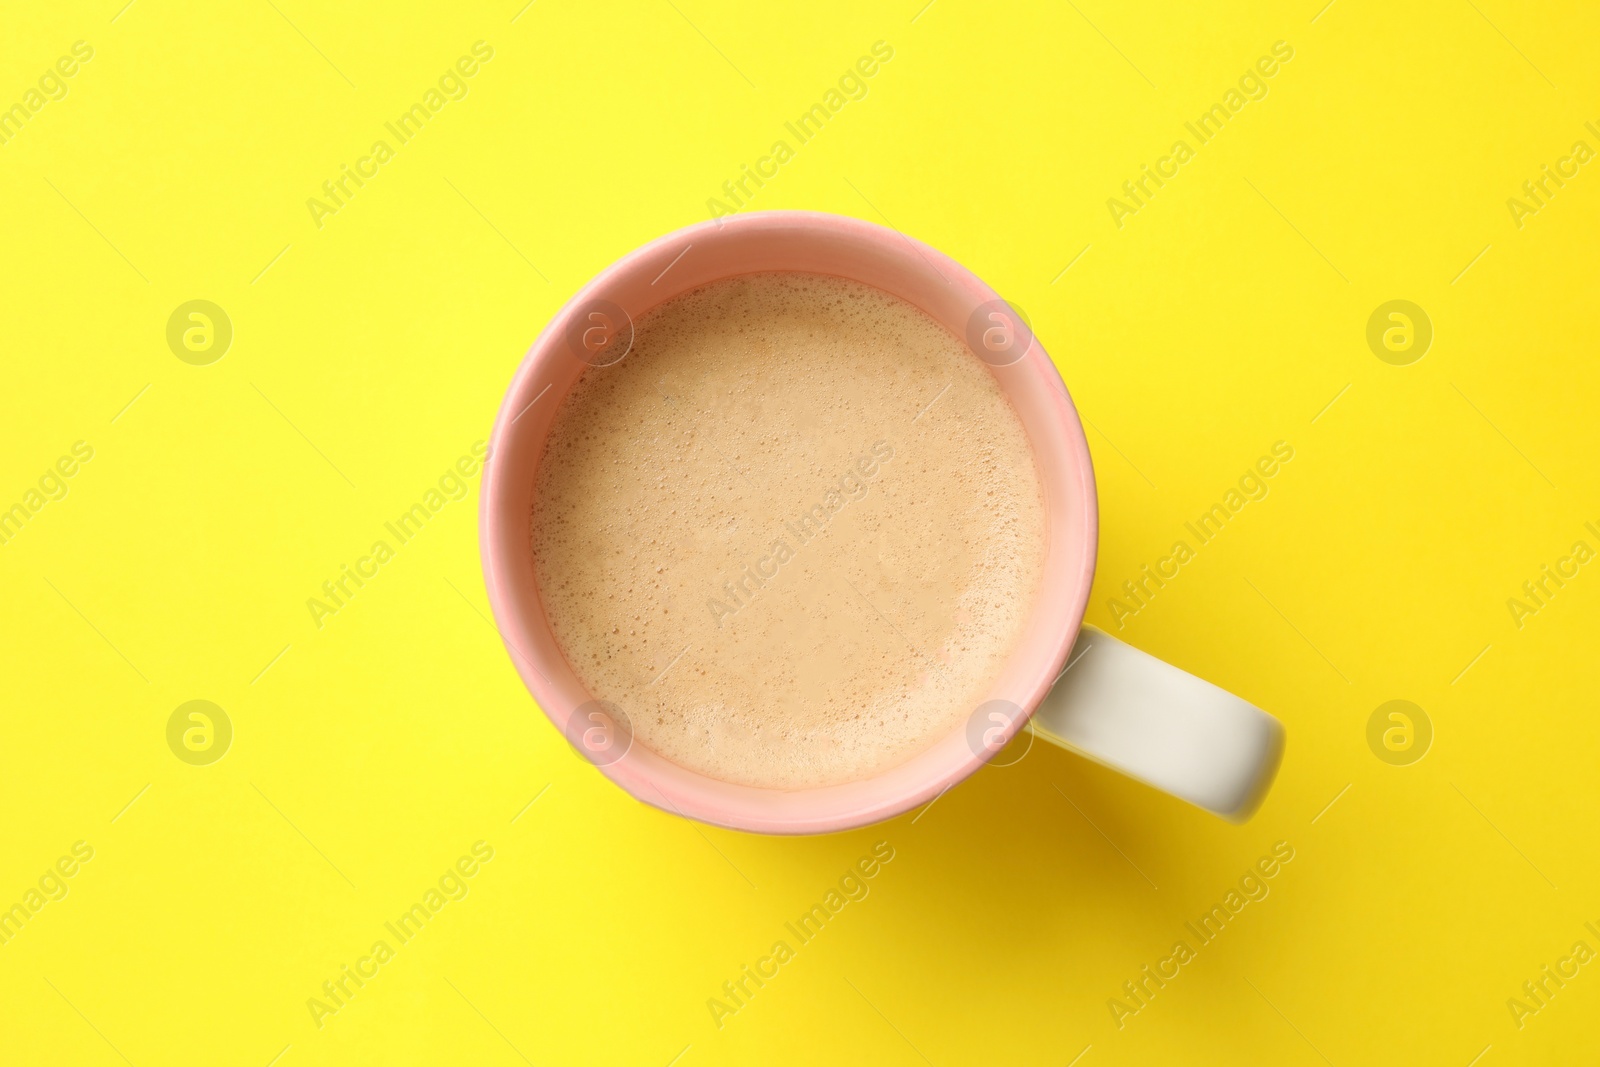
876 256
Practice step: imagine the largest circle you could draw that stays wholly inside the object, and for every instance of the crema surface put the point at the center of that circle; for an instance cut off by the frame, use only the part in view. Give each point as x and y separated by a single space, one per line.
793 535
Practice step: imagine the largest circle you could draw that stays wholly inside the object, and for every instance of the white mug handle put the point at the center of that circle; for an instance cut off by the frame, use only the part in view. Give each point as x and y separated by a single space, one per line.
1146 718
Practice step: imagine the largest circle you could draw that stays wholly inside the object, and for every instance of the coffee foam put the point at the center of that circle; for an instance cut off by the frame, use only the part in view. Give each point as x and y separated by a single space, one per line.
794 535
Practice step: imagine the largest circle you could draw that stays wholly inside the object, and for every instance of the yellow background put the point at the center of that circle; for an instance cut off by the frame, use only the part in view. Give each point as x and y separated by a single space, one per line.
370 353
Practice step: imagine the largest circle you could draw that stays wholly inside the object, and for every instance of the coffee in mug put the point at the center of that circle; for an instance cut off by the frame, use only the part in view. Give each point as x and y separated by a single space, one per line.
793 535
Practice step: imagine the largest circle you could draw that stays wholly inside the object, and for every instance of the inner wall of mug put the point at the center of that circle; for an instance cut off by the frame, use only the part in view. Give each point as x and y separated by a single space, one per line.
820 244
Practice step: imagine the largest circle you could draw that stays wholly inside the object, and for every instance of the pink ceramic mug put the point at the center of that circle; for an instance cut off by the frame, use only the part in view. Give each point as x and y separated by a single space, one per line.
1112 703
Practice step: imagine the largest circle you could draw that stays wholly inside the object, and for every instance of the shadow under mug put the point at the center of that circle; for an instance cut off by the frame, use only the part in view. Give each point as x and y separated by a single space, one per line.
1110 702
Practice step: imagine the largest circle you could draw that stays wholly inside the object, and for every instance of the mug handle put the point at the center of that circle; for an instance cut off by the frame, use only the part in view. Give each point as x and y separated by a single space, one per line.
1136 714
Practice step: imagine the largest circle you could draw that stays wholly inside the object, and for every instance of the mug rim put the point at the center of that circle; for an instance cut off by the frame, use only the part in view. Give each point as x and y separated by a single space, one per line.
1032 385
